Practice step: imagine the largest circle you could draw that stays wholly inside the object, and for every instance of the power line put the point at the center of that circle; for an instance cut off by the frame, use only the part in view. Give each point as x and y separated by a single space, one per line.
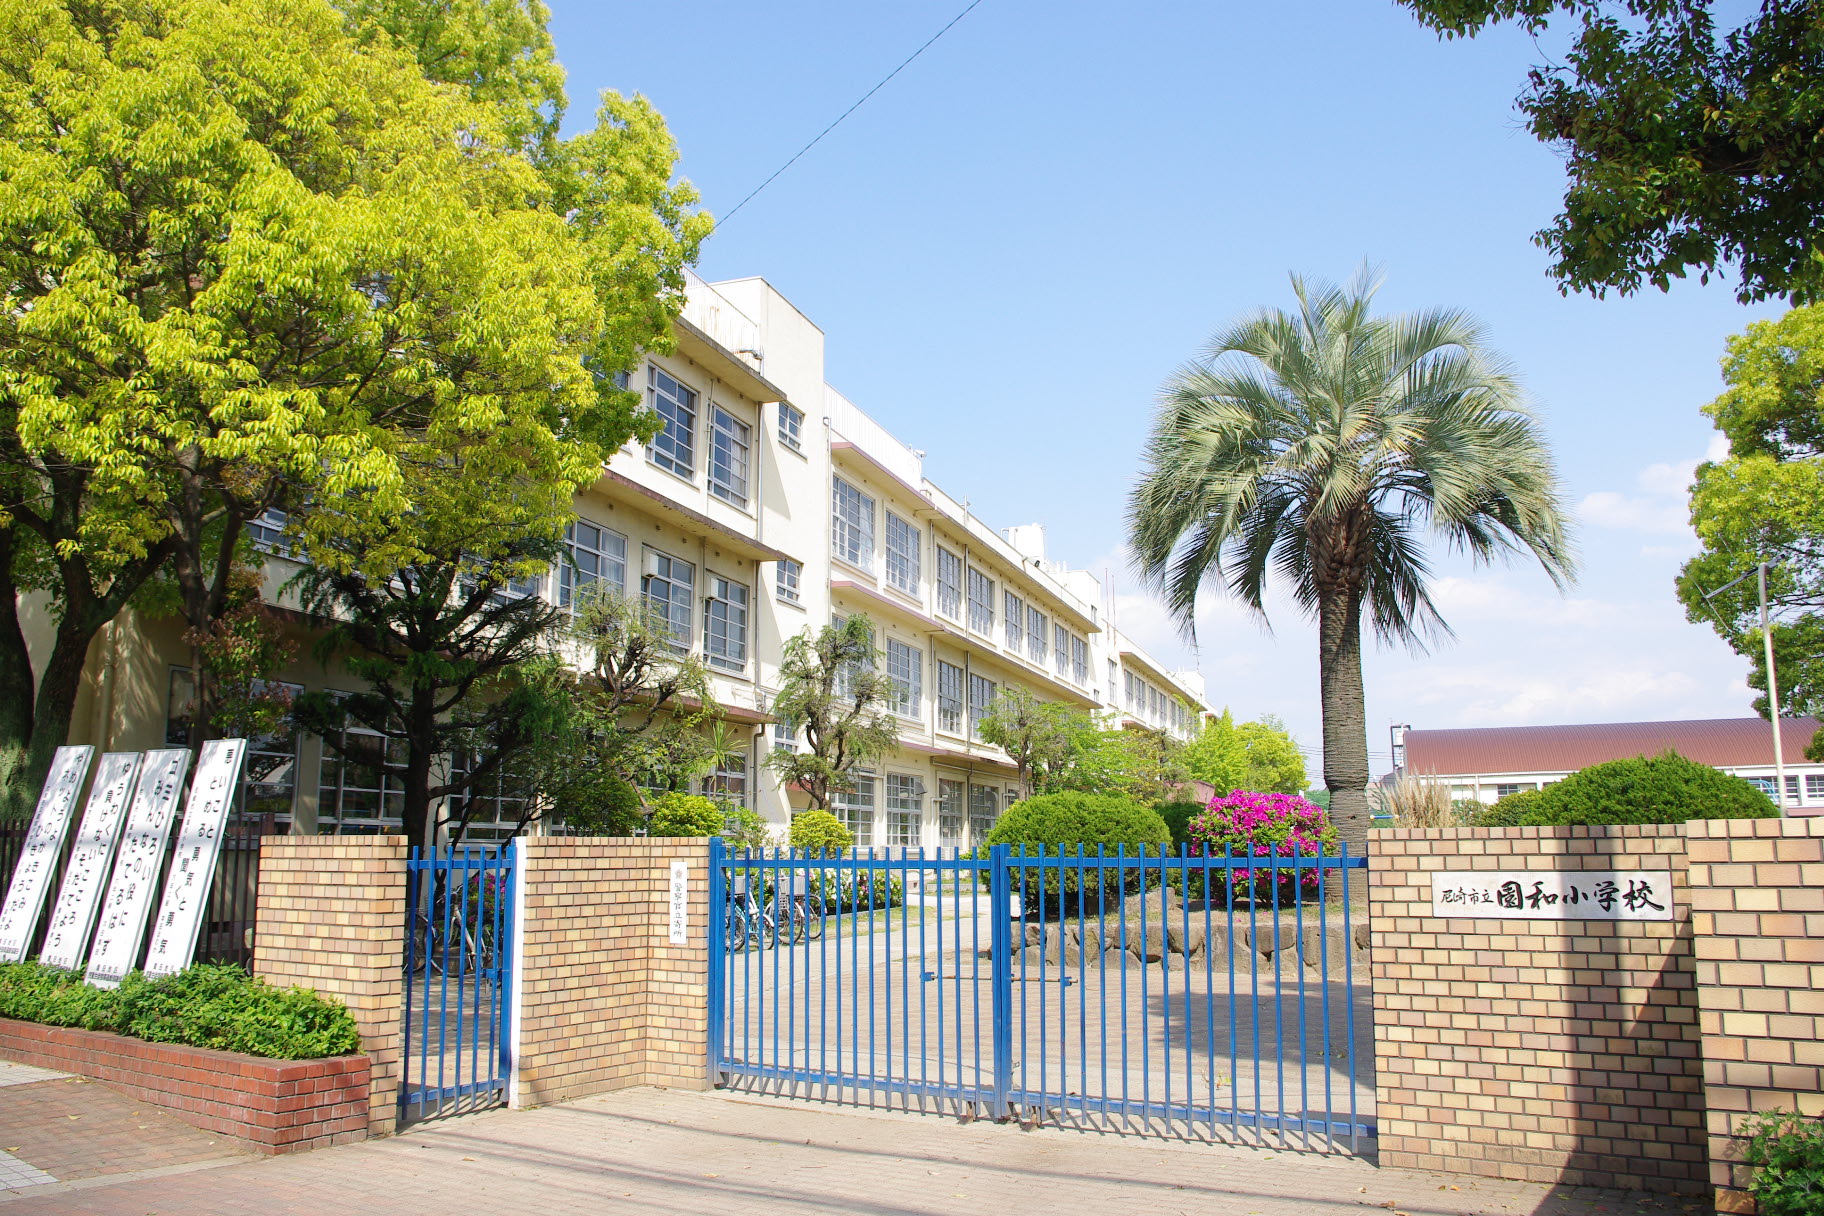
864 97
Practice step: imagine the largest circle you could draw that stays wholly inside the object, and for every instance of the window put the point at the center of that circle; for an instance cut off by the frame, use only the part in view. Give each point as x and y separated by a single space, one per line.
1061 648
1113 690
949 584
856 810
905 810
905 667
981 602
1130 686
668 588
1814 786
984 809
949 697
950 819
902 554
1036 633
267 532
1015 620
495 808
786 579
728 441
1079 660
1506 788
852 524
1792 791
785 736
595 556
981 696
354 792
1763 784
269 773
725 625
675 446
791 427
728 780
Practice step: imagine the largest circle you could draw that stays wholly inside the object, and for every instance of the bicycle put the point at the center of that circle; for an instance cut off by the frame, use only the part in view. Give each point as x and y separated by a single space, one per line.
744 920
802 915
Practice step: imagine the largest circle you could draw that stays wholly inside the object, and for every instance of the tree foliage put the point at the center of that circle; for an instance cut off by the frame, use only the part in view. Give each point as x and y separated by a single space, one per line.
833 691
1690 142
1261 756
1039 736
1659 789
1319 446
1765 500
1141 765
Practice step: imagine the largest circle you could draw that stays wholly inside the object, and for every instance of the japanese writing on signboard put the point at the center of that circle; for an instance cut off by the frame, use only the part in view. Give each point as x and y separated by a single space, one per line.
31 883
128 902
1554 894
199 843
680 903
73 915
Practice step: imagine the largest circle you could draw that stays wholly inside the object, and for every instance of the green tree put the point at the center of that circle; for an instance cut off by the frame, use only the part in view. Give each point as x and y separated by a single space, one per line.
1765 501
833 692
1039 736
1141 765
1689 142
1666 788
1317 444
1275 765
1217 755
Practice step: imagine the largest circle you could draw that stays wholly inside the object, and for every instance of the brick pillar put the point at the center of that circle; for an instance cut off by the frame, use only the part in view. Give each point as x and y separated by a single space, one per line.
1757 919
604 1000
1556 1051
332 918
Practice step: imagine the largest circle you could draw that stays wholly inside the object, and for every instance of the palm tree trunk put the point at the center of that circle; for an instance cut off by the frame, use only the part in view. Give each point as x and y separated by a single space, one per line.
1339 665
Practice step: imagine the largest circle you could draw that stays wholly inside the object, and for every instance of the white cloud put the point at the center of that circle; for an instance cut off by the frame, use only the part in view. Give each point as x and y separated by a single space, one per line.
1659 505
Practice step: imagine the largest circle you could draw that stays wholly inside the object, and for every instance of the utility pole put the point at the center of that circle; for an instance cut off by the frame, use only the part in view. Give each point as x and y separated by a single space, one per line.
1773 696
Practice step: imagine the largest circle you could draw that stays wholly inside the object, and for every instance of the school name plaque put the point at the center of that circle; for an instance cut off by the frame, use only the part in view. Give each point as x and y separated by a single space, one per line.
1553 895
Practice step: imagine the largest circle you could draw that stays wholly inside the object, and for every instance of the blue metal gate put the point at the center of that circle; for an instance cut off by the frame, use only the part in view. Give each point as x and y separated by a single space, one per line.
1148 993
458 967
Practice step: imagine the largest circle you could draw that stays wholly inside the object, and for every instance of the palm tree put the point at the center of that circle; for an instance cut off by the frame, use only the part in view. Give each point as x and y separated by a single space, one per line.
1322 445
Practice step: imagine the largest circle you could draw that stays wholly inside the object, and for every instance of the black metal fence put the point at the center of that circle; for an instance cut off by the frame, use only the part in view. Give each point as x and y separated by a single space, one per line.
227 933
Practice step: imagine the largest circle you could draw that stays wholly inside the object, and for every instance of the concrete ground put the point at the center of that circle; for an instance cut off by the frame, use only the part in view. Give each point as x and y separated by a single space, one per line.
663 1151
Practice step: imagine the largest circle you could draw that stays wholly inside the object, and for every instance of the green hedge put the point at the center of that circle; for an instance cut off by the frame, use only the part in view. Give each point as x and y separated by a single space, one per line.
208 1005
1666 788
1178 816
1096 823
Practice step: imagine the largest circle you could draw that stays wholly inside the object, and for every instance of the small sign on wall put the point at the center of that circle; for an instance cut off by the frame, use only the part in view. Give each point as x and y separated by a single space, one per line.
1553 894
680 903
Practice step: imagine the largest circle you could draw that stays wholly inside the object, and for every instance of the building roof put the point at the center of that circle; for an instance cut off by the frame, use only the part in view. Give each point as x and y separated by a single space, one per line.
1722 742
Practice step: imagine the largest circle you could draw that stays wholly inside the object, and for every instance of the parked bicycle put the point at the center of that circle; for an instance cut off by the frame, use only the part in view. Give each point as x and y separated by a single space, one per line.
745 922
798 914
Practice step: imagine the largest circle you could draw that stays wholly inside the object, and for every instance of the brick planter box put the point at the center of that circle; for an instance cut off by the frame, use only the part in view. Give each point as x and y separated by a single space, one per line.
274 1106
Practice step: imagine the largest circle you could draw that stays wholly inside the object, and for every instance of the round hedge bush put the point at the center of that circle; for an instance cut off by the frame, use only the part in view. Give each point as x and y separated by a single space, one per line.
1505 812
819 830
1666 788
685 815
1099 824
1178 816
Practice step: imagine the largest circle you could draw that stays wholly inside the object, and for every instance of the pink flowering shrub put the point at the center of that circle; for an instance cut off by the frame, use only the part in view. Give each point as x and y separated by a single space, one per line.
1244 824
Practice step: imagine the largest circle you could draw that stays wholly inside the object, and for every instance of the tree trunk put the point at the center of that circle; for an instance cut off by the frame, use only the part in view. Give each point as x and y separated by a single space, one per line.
1339 664
17 790
28 763
420 754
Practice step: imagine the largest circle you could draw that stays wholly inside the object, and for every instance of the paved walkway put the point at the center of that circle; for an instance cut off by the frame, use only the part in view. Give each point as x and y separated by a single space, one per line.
663 1151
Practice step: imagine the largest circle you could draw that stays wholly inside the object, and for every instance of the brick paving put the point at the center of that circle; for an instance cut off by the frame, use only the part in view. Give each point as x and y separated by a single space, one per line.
69 1129
664 1151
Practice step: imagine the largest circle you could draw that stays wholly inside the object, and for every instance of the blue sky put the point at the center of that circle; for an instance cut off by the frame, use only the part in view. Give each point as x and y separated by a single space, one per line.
1012 244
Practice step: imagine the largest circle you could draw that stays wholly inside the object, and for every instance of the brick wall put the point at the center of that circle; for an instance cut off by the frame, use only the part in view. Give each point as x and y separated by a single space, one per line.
605 1001
1550 1051
275 1106
1757 911
332 918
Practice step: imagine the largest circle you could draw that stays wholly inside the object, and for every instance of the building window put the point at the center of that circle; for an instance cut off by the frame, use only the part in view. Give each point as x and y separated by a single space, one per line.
856 810
949 584
728 442
354 792
905 809
594 556
1504 789
269 773
981 602
725 625
902 554
668 587
727 782
852 524
1763 784
950 818
785 736
1061 649
981 696
1079 661
791 427
1792 791
1113 684
1814 787
1015 620
675 446
267 532
1036 633
786 579
495 808
949 697
905 667
984 809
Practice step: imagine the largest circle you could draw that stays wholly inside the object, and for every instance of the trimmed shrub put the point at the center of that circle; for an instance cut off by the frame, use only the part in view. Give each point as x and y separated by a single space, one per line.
613 810
820 830
745 829
1666 788
1246 824
1178 816
1506 812
208 1005
685 815
1099 824
1787 1151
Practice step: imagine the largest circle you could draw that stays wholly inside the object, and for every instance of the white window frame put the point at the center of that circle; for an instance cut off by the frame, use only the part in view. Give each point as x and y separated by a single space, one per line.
906 668
952 812
791 427
661 569
1038 633
905 800
950 697
728 606
903 544
978 706
730 451
267 532
857 810
851 524
980 594
1079 660
1013 621
1060 649
606 551
674 448
949 584
787 577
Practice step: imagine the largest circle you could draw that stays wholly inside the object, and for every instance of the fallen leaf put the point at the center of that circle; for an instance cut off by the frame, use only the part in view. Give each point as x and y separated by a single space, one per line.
468 1158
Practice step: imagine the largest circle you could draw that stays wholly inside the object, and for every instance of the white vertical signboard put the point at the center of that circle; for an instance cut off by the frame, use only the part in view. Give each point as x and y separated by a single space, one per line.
680 903
73 915
199 843
142 851
43 842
